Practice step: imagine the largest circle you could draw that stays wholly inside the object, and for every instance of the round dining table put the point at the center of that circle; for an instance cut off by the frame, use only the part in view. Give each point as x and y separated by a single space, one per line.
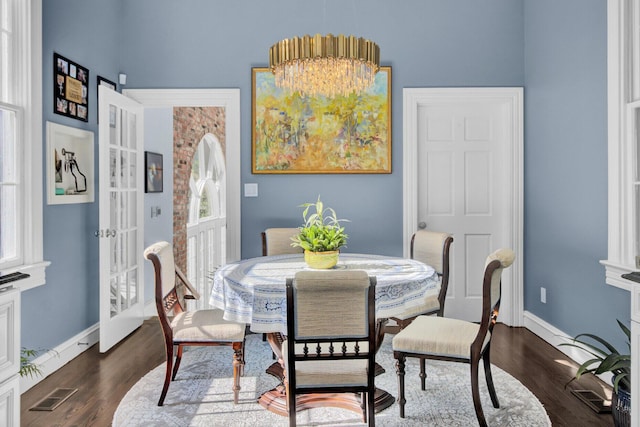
253 291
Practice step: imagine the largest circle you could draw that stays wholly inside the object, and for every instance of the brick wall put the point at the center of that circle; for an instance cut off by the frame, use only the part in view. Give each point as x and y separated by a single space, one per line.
190 125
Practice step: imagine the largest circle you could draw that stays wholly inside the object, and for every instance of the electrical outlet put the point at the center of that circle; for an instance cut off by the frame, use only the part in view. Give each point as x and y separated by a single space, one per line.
543 295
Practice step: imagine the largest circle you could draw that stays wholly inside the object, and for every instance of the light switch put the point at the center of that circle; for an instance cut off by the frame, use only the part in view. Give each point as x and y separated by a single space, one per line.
251 190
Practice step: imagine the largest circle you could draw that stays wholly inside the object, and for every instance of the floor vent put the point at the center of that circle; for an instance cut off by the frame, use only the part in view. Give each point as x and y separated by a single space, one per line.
596 402
54 399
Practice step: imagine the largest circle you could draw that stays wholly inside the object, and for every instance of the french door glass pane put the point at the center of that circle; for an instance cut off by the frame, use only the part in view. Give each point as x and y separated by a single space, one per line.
113 167
133 209
113 296
132 171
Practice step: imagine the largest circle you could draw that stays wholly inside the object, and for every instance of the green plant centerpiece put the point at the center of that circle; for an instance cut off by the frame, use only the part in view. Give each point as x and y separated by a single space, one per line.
321 236
607 359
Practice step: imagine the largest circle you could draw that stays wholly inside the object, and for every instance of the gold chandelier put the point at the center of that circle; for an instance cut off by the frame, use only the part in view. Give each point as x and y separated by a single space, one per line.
324 65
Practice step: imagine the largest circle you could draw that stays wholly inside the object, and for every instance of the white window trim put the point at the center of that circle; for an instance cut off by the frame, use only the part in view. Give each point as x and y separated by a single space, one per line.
32 234
622 151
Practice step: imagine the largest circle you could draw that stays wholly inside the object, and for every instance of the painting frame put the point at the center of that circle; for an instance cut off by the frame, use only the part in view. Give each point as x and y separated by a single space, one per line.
70 88
153 172
294 134
70 173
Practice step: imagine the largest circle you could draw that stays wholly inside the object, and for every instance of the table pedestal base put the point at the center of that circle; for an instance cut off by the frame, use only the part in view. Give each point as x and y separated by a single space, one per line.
275 400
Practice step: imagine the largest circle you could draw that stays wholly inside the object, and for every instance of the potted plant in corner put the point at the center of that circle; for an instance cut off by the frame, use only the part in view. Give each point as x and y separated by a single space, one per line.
606 358
321 236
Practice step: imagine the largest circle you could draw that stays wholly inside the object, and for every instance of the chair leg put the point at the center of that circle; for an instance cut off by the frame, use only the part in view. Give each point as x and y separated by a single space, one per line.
423 373
167 376
238 369
178 360
475 392
400 371
291 404
371 409
486 358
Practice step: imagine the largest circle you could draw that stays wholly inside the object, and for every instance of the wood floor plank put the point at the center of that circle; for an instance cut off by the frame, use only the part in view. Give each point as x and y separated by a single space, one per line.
103 379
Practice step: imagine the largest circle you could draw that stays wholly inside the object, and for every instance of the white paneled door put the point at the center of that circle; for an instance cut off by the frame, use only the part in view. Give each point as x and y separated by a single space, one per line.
121 230
467 182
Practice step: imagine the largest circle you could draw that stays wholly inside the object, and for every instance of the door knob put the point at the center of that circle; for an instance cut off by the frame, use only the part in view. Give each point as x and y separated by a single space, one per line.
105 233
422 225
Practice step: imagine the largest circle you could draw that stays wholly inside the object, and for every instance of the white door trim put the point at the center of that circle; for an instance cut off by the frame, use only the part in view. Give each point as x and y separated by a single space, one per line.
230 100
512 307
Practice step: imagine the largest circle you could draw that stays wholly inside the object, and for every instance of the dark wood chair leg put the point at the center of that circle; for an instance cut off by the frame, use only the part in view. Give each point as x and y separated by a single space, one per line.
475 392
423 373
291 405
400 371
167 376
238 370
371 398
178 360
486 358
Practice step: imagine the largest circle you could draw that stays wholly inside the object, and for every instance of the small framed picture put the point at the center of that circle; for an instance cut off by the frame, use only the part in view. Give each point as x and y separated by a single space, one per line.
153 172
70 88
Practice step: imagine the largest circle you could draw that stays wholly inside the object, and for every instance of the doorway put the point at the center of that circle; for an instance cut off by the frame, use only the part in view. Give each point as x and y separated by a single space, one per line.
463 175
227 134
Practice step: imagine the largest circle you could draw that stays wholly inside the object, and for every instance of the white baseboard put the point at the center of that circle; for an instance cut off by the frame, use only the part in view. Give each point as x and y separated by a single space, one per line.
62 354
150 309
555 336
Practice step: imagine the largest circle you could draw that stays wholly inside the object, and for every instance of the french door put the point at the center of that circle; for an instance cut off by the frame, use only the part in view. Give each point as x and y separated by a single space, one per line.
121 179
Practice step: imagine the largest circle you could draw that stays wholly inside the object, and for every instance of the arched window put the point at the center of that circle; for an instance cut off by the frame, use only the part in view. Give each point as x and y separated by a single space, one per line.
207 222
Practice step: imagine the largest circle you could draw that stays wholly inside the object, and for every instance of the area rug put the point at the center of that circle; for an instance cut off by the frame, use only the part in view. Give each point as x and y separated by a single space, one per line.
201 395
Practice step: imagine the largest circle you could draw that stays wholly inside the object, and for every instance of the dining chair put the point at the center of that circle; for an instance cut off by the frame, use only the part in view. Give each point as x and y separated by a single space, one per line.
432 248
454 340
182 328
277 241
330 344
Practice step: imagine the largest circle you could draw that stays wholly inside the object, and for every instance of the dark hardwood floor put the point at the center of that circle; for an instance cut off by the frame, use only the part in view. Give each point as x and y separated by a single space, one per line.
103 379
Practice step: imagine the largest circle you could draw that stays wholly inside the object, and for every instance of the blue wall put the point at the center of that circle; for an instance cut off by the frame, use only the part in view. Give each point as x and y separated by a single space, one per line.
554 48
565 232
215 44
158 136
81 31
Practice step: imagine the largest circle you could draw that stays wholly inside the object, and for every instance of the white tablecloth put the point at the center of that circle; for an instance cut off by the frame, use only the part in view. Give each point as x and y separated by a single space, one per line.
253 291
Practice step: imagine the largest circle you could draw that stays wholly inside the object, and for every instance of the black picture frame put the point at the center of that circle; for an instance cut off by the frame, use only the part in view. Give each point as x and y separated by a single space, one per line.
70 88
153 171
101 81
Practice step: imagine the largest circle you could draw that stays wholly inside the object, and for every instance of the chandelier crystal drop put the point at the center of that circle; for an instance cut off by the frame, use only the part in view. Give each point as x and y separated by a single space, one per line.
324 65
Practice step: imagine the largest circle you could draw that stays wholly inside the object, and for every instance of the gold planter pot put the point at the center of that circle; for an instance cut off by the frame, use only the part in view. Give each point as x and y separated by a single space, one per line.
321 260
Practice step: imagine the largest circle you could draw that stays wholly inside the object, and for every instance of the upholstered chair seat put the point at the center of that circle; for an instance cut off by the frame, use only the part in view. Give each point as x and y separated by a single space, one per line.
328 373
438 336
204 326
